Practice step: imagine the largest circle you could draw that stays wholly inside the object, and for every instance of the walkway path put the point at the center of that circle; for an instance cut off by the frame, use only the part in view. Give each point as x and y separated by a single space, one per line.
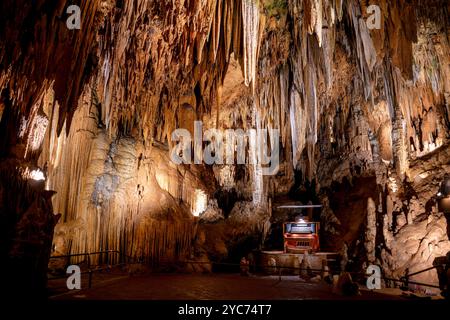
208 287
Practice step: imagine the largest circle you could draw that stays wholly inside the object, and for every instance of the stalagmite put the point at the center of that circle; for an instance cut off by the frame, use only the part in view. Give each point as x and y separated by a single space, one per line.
371 230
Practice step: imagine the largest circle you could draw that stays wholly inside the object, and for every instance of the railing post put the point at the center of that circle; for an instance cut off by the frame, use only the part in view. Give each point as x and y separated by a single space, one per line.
90 279
406 280
89 270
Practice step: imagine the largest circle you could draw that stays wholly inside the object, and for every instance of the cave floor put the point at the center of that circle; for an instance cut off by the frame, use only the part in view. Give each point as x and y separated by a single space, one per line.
206 287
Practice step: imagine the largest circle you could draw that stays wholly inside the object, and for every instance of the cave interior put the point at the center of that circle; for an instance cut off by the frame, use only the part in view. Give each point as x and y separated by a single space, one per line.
118 133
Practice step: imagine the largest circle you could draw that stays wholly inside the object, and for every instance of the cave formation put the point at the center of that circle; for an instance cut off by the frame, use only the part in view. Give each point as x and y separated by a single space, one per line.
87 118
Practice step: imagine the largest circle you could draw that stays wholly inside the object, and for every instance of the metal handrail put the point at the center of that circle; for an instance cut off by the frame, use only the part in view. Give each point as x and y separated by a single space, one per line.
88 255
404 280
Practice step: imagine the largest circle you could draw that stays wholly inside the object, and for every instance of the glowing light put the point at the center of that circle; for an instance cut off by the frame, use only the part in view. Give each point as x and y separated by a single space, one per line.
200 204
37 175
300 219
439 194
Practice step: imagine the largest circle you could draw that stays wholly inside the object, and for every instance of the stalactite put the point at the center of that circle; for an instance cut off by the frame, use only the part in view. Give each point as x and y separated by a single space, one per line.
258 188
365 50
318 9
250 16
228 27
